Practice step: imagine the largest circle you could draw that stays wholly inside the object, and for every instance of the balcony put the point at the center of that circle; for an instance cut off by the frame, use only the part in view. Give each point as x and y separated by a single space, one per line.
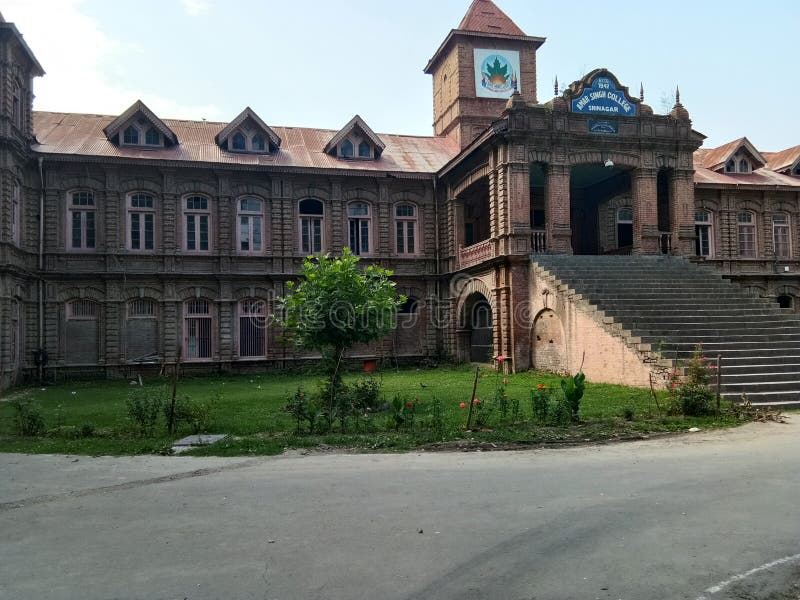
476 254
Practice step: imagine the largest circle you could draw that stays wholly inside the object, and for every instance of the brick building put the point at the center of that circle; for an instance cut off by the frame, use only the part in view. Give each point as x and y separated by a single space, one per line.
129 239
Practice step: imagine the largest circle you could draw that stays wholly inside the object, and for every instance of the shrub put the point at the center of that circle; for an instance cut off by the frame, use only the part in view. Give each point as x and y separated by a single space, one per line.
304 409
86 429
540 402
143 406
691 394
573 392
627 413
559 413
402 412
364 394
28 417
194 413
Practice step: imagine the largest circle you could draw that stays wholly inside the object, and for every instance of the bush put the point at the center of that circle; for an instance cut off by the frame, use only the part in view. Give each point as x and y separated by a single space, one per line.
28 417
559 413
691 394
540 402
627 413
364 394
304 410
144 405
86 429
573 392
194 413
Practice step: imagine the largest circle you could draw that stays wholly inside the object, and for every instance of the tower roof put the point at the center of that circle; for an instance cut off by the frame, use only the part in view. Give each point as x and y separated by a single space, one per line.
484 16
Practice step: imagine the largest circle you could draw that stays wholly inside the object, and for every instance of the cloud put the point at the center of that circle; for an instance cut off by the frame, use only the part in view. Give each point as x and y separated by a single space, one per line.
73 50
195 8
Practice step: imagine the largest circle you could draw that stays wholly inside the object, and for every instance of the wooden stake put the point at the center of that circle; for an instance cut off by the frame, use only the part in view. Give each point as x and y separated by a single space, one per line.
719 380
472 398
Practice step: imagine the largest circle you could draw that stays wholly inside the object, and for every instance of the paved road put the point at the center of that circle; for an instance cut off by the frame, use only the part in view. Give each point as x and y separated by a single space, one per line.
708 515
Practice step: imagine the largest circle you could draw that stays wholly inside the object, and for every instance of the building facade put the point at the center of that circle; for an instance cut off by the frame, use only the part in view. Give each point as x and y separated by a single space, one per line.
131 240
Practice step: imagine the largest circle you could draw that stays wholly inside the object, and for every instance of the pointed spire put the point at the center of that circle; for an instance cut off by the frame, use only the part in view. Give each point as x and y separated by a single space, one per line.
641 91
677 95
555 87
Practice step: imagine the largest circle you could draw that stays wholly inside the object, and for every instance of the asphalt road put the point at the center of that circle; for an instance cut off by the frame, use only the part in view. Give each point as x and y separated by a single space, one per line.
710 515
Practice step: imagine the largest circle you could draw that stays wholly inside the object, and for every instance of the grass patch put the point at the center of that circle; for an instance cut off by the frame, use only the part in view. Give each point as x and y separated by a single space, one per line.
90 417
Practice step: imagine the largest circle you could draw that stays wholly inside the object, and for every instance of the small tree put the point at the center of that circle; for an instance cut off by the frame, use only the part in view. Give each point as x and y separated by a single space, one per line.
336 305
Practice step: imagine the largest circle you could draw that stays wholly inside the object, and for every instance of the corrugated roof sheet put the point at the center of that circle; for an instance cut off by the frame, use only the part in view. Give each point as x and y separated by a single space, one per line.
484 16
301 147
785 159
707 159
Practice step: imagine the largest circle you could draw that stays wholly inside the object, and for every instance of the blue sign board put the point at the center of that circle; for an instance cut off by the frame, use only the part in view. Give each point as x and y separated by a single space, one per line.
603 98
603 126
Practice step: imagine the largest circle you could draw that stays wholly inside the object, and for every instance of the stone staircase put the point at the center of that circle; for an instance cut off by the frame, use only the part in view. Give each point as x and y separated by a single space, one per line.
671 305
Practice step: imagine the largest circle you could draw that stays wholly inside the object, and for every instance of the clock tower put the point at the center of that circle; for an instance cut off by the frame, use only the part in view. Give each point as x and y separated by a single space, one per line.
477 68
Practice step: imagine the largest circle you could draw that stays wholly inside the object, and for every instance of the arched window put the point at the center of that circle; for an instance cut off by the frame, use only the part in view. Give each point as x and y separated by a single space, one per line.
16 214
152 138
238 142
252 328
364 150
359 223
197 224
251 226
141 222
730 166
780 235
481 316
312 216
405 228
141 331
82 332
624 227
746 229
130 135
198 338
258 143
702 230
346 149
744 166
81 220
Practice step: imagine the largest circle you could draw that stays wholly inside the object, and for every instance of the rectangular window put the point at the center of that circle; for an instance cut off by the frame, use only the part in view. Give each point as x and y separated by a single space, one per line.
405 237
250 233
16 215
197 219
191 232
747 235
198 343
780 234
703 242
311 235
252 328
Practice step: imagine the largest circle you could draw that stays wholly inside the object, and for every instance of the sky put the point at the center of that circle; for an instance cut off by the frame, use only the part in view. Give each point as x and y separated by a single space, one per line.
316 63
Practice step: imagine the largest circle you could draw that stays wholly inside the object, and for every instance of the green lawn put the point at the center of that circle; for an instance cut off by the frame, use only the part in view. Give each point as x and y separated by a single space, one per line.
250 408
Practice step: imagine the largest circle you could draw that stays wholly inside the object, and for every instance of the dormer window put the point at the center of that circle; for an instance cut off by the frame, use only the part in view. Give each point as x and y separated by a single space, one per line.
730 166
355 140
259 145
797 169
346 149
152 138
238 142
744 166
130 135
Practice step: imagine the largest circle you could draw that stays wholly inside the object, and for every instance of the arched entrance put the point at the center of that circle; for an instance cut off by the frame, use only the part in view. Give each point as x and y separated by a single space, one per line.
591 187
548 345
478 328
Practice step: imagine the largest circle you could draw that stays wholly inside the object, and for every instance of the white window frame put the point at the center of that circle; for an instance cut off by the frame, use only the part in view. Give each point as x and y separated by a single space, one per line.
356 142
782 228
704 226
86 211
748 248
195 215
198 313
406 230
252 311
255 223
357 227
306 224
138 214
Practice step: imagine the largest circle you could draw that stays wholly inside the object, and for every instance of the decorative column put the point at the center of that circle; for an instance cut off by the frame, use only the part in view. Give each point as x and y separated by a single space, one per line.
557 219
645 211
682 212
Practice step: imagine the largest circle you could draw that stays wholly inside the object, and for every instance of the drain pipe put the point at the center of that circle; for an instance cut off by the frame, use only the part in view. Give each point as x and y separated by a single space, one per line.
41 270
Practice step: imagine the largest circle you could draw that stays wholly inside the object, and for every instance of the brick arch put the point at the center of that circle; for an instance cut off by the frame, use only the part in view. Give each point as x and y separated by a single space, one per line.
261 292
407 196
360 194
599 157
196 291
711 204
133 292
196 187
310 191
473 286
76 293
250 189
139 184
665 162
548 342
82 183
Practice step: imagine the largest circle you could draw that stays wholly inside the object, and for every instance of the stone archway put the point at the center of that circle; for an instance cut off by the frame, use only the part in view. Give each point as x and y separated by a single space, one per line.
548 343
477 327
